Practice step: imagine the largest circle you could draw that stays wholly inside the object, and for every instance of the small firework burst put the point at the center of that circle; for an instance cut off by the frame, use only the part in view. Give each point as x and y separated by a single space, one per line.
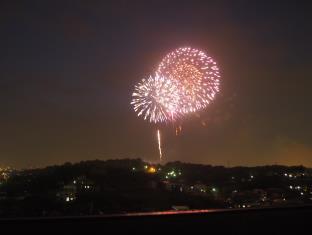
156 99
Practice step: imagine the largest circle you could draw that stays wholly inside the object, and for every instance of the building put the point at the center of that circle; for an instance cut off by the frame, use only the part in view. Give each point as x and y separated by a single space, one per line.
68 193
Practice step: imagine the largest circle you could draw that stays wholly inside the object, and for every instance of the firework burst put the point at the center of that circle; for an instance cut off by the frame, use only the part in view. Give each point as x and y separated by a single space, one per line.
197 75
156 99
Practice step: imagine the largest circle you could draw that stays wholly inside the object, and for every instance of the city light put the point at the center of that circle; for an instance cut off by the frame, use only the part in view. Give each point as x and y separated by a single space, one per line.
299 190
151 170
68 199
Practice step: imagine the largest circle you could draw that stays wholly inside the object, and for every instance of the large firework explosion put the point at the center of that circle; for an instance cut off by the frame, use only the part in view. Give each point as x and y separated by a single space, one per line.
186 81
197 74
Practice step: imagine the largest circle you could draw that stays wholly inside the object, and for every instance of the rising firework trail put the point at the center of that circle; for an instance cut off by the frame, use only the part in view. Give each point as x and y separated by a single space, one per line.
159 145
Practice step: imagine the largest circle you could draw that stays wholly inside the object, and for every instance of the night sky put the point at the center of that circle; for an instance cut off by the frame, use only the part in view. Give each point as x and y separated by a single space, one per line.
68 69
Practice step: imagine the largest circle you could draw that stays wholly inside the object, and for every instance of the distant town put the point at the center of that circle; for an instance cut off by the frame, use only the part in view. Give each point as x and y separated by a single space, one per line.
132 185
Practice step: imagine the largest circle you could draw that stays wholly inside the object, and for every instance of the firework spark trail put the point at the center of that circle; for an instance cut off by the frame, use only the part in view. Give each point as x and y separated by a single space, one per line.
178 130
186 81
159 144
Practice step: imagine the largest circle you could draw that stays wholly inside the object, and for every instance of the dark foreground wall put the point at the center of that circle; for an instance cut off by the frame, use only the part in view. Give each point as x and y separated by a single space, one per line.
293 220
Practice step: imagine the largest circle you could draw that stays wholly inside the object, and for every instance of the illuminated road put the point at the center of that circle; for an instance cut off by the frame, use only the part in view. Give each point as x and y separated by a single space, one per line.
201 211
169 212
162 213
